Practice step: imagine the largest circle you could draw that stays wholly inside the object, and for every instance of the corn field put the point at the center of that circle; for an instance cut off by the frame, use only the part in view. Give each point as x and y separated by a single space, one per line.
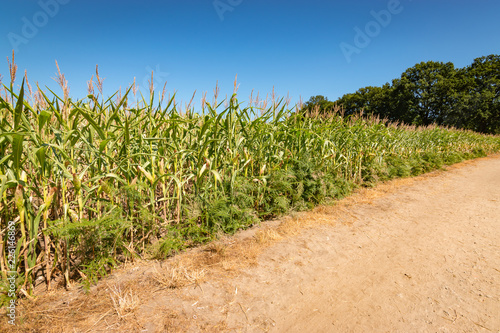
94 182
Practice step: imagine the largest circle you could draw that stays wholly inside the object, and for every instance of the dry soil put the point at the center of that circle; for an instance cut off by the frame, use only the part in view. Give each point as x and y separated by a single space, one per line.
414 255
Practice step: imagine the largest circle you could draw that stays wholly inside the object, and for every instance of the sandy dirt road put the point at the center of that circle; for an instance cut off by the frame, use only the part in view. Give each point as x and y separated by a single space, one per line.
424 257
411 255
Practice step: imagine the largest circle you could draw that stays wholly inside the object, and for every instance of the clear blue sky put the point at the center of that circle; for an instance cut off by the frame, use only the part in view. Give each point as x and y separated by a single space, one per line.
292 45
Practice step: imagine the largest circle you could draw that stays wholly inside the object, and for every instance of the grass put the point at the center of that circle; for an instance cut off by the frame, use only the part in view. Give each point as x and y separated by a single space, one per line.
95 182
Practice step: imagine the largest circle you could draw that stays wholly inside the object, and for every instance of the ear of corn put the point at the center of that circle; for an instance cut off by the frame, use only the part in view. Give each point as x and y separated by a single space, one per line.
91 183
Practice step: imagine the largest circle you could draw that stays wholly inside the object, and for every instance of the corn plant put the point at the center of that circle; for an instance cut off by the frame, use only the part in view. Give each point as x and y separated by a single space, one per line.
93 182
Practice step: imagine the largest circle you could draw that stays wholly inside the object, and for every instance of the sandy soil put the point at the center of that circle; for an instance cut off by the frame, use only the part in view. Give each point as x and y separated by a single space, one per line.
425 258
414 255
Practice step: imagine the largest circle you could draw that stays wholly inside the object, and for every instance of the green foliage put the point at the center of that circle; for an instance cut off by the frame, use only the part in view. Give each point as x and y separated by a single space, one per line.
168 246
96 269
478 105
318 103
434 93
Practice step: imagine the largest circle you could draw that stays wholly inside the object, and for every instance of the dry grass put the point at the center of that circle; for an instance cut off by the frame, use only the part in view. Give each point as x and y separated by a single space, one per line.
267 236
178 276
124 302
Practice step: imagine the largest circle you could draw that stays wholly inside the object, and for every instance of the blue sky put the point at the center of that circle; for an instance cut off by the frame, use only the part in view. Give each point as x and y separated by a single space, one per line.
293 46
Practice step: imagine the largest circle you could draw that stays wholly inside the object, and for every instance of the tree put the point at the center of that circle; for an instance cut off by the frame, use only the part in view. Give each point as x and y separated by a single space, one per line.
320 102
479 103
432 93
427 89
372 100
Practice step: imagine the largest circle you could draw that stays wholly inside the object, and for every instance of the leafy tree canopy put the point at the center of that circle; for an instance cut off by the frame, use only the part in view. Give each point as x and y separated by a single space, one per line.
432 93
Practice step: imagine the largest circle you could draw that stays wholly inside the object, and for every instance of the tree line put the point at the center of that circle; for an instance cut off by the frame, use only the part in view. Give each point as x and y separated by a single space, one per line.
431 93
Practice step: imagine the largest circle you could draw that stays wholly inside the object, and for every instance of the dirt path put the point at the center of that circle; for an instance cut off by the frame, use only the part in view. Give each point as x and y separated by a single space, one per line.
413 255
425 258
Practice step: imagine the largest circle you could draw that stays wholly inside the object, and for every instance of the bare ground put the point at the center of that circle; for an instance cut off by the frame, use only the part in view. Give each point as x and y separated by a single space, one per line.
411 255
